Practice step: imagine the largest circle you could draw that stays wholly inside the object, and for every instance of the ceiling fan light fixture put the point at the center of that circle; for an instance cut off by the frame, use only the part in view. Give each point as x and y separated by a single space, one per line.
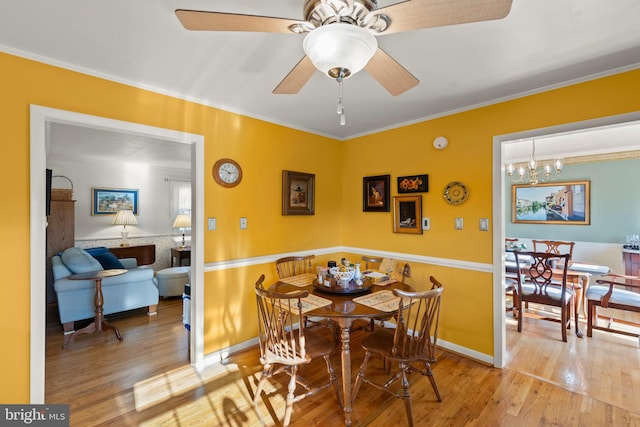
340 46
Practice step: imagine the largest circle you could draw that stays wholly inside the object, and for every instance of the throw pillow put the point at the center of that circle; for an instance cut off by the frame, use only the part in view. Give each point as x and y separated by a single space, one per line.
108 261
79 261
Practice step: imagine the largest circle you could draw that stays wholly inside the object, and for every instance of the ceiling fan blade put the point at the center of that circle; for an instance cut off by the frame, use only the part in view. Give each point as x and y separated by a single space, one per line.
390 74
217 21
417 14
297 78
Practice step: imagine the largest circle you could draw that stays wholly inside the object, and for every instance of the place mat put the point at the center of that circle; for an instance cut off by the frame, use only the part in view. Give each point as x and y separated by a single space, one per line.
383 301
386 282
312 302
300 280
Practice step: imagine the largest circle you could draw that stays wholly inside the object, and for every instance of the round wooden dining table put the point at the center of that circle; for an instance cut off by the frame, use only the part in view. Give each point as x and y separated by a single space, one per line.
344 311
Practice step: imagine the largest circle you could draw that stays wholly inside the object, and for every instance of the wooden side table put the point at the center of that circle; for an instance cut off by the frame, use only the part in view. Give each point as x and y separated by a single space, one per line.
99 323
179 254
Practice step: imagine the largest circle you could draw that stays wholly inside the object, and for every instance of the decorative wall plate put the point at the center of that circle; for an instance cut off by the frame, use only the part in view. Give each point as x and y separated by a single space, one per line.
455 193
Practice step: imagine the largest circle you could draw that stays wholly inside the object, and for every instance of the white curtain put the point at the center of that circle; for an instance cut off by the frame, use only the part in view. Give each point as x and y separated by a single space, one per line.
180 200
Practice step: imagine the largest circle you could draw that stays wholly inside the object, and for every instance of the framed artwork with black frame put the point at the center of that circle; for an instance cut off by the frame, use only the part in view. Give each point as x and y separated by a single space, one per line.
108 201
413 184
375 193
407 214
565 203
298 193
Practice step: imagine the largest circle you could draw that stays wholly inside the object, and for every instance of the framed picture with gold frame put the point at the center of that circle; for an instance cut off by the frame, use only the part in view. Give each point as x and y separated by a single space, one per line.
564 203
298 196
407 214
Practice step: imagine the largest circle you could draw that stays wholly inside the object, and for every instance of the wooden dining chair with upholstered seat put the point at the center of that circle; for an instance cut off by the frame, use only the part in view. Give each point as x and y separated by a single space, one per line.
540 283
411 345
562 247
294 266
554 247
285 344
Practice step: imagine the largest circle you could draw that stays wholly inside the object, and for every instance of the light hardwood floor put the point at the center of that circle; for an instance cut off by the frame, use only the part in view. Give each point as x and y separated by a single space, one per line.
146 381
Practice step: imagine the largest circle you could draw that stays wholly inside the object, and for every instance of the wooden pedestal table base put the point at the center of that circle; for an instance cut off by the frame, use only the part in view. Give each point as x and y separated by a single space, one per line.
99 323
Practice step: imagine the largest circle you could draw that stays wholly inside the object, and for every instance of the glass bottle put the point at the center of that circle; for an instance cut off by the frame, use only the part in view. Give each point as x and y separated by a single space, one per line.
358 274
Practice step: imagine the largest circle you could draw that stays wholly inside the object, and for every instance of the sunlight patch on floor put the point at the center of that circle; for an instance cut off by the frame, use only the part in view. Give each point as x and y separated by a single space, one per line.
167 385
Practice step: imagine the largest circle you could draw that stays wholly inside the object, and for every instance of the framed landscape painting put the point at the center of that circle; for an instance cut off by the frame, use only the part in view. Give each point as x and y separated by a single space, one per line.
551 203
108 201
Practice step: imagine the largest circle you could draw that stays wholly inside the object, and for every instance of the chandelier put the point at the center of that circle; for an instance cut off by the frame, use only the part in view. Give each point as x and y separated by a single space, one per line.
534 172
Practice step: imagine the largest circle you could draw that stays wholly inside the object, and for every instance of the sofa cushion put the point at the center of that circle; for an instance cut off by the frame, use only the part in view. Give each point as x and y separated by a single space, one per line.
79 261
108 261
97 250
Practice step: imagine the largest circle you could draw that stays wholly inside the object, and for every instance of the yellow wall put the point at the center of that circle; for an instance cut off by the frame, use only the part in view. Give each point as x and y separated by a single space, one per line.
264 150
467 301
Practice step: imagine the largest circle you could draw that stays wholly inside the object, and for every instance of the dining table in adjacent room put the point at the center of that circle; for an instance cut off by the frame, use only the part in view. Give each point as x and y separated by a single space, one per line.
344 305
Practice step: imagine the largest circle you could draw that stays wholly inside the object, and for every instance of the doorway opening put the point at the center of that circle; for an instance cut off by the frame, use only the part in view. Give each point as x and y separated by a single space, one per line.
40 118
499 208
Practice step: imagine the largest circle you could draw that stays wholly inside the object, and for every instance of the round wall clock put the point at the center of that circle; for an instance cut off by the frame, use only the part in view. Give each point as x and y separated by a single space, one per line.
227 173
455 193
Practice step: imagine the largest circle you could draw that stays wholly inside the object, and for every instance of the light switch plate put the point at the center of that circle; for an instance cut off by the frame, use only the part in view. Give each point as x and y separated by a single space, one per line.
211 223
426 223
243 223
484 224
459 224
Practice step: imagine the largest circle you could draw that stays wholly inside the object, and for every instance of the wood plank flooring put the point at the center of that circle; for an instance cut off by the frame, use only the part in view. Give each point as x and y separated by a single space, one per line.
145 380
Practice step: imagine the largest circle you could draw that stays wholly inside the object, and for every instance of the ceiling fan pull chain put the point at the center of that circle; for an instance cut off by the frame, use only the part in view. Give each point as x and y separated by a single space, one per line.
340 111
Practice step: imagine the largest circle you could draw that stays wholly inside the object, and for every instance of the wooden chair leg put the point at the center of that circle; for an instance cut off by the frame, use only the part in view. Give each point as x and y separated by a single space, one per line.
406 396
432 380
290 396
563 316
266 373
591 316
360 376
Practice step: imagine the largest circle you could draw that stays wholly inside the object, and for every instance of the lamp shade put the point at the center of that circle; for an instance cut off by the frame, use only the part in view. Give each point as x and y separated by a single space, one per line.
182 221
125 217
340 46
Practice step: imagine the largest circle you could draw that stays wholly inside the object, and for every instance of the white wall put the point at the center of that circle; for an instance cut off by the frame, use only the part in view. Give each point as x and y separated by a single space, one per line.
154 218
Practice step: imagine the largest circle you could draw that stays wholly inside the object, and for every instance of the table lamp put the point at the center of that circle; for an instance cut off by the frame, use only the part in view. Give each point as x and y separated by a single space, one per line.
124 217
182 221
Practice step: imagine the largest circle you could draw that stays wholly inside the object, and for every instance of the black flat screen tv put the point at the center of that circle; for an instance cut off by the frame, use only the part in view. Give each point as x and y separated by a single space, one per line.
48 192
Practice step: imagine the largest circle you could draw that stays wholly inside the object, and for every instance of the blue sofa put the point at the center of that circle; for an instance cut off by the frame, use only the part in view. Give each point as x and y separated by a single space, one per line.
135 289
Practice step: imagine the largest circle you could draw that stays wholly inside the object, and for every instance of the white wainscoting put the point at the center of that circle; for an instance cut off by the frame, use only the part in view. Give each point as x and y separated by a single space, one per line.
609 254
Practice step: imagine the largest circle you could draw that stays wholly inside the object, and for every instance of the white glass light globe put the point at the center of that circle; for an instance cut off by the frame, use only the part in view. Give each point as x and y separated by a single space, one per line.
340 45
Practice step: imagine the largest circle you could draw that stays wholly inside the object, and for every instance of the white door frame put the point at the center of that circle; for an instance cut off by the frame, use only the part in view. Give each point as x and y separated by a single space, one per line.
40 116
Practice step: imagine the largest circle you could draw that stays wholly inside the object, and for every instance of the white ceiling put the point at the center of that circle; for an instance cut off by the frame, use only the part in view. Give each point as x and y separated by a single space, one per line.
541 43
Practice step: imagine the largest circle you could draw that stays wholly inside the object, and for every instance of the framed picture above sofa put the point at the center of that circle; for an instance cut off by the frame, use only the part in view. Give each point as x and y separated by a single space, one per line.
108 201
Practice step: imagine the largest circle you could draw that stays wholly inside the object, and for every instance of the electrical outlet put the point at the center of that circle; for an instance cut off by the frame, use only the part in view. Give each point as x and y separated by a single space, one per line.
212 223
243 223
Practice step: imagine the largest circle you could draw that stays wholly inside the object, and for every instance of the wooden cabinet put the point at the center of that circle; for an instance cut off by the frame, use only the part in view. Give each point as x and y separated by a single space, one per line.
631 264
144 254
60 236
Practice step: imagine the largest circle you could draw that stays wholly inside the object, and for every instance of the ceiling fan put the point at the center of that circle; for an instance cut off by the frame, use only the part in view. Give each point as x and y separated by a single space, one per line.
350 26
